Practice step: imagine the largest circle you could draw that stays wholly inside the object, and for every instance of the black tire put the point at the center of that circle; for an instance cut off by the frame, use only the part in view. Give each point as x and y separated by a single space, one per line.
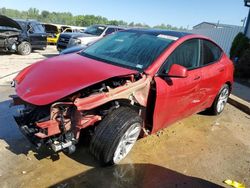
24 48
110 131
213 110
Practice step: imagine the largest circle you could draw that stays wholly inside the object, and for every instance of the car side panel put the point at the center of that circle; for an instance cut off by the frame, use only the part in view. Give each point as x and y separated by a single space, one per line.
214 76
176 98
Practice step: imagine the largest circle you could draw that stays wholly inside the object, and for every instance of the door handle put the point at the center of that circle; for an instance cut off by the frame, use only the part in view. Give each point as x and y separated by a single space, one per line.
221 70
197 78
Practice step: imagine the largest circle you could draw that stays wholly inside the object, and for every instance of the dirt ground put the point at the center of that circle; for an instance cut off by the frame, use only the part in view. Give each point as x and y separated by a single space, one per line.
11 64
199 151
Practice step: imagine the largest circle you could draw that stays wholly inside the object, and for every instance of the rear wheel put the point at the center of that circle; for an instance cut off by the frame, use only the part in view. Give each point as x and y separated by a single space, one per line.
220 101
24 48
116 135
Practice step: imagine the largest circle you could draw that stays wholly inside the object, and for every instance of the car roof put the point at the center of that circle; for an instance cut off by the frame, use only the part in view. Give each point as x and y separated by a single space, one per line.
113 26
26 21
156 32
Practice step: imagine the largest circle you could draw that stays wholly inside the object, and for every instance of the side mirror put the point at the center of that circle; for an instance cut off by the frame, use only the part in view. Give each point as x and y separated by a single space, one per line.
30 29
178 71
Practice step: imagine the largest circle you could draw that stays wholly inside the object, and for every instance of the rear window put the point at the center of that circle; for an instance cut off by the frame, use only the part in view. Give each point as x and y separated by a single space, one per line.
210 52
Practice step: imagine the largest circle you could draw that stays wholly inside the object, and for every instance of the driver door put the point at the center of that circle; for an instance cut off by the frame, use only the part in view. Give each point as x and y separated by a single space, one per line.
177 98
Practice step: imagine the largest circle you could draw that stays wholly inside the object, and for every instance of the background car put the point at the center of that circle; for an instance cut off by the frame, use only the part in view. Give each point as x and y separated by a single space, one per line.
129 84
54 30
73 49
89 35
21 36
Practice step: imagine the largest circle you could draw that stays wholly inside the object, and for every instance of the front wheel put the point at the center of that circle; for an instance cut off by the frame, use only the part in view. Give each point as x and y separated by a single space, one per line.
220 100
24 48
116 135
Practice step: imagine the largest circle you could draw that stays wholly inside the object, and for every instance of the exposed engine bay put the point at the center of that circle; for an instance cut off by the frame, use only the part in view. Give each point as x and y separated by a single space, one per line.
9 40
59 124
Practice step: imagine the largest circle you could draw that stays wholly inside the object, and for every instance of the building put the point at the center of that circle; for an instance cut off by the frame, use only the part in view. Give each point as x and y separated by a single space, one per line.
210 25
247 28
222 34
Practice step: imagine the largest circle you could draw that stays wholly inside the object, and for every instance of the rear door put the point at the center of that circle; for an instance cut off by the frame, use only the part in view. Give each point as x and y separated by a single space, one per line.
213 72
177 98
37 35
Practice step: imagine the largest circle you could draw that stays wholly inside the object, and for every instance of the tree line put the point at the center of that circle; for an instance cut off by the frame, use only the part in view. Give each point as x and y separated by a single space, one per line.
66 18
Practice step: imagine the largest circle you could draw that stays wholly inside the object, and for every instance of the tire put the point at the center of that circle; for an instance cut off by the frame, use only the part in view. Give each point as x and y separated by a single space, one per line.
220 101
107 143
24 48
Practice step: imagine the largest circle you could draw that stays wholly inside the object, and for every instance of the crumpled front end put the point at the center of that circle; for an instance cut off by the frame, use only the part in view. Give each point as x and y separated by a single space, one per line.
58 124
8 40
9 34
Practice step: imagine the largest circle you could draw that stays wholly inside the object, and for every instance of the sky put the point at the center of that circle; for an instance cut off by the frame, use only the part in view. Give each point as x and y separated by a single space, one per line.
186 13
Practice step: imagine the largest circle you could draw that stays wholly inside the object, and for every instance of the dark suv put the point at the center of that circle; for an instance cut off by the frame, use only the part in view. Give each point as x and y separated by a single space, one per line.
88 36
21 36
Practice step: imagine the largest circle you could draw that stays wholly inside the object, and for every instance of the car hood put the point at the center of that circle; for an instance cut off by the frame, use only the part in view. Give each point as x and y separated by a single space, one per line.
51 28
76 35
8 22
55 78
73 49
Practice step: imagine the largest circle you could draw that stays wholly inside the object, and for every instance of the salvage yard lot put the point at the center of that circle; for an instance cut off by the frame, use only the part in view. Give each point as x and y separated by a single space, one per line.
200 151
10 64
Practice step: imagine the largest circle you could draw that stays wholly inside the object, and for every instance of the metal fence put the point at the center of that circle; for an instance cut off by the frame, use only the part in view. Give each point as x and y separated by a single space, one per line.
222 36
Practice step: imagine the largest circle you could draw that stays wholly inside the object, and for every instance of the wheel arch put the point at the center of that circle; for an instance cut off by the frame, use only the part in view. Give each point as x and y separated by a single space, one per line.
230 84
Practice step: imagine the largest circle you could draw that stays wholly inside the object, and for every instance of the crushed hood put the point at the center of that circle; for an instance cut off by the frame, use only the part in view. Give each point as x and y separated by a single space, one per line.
8 22
52 79
51 28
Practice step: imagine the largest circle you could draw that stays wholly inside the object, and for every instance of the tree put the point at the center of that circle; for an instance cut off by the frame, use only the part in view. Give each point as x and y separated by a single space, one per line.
239 45
66 18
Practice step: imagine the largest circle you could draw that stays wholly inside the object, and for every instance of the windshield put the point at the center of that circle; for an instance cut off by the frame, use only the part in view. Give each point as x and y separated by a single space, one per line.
95 30
136 50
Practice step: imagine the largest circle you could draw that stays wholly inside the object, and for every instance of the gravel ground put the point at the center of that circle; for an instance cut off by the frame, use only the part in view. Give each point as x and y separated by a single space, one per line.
11 64
199 151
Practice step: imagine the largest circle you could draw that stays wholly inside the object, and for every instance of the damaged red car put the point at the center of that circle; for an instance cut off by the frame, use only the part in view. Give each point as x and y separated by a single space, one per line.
128 85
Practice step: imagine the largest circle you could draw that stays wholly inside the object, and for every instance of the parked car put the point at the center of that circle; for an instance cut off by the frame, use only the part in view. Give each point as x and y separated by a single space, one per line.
21 36
129 84
53 31
89 35
73 49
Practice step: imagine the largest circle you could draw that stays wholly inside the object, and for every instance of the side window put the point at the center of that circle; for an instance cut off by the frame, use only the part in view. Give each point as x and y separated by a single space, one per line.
37 28
187 55
69 30
210 52
119 29
109 31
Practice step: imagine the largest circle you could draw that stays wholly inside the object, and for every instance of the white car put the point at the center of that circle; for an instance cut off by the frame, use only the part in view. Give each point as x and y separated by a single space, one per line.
90 35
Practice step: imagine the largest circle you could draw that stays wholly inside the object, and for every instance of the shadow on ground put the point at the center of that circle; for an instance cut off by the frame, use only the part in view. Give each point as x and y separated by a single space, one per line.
6 53
49 55
18 144
134 175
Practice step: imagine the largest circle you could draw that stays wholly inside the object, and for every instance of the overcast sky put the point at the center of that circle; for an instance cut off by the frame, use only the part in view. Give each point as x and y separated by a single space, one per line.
152 12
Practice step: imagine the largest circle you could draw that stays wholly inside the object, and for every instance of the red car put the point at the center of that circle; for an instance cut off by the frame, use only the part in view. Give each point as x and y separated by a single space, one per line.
128 85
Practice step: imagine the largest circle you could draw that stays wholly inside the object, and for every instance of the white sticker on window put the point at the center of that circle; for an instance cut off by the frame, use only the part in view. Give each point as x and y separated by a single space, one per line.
100 27
167 37
139 66
119 40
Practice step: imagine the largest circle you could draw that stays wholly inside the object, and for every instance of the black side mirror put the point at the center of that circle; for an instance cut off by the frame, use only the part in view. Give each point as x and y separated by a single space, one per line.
30 29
